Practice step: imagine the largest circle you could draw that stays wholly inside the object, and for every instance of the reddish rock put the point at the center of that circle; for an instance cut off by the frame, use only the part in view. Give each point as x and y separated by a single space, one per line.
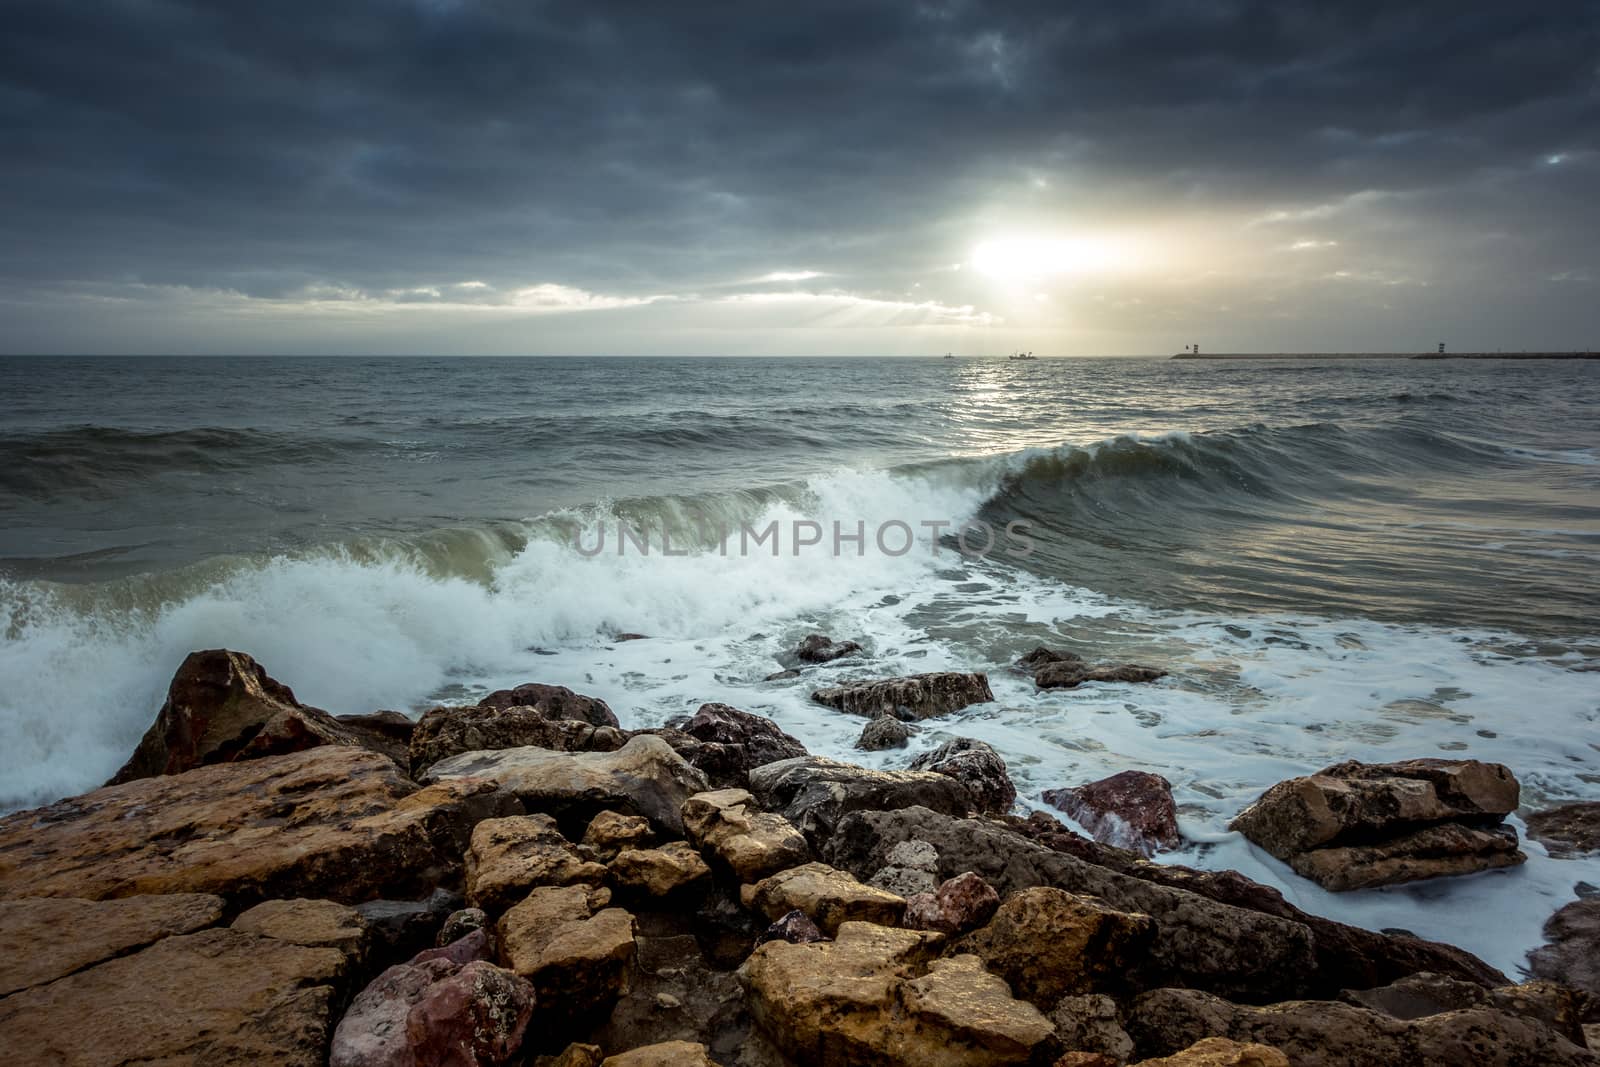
470 946
473 1018
975 765
1132 810
795 928
762 740
960 904
554 702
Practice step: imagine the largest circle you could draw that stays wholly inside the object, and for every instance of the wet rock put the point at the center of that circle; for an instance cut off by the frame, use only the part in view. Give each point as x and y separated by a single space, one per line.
45 938
750 843
610 833
1333 1034
507 857
574 949
976 765
1356 825
673 870
554 702
820 648
794 927
1048 943
449 731
1571 952
644 777
1132 810
312 923
401 928
815 793
917 696
1068 675
222 706
910 868
1220 1052
473 1018
962 903
332 822
761 740
883 732
461 923
827 896
1042 656
665 1054
781 676
213 998
1092 1023
873 996
1570 830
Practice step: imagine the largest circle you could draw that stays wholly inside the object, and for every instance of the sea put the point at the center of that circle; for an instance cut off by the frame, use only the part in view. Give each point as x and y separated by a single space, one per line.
1334 559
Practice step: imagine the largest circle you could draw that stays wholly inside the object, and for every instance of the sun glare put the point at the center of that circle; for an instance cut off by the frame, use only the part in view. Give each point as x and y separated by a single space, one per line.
1022 258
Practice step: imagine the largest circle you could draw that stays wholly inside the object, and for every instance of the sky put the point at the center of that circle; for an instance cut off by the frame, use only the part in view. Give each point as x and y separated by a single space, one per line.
835 177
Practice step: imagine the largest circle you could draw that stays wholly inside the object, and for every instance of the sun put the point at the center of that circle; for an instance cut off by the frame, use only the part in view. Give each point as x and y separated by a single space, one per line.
1025 258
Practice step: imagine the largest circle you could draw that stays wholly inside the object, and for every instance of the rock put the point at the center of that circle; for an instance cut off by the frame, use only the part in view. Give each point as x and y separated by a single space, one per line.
1069 675
760 740
628 636
794 927
1570 830
401 928
1418 996
665 1054
332 822
477 1016
1356 825
45 938
217 704
910 868
1086 1059
507 857
752 844
976 765
675 995
781 676
610 833
574 950
917 696
820 648
1571 952
388 732
644 777
575 1055
449 731
1048 943
312 923
554 702
213 998
1132 810
873 997
1220 1052
1092 1023
828 897
1333 1034
962 903
470 946
883 732
1042 656
373 1031
673 870
814 793
461 923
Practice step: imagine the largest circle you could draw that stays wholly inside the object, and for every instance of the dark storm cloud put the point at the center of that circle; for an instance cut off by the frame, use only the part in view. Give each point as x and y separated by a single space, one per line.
637 147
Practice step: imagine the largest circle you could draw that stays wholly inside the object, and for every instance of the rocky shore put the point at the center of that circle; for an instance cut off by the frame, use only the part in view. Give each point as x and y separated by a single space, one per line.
524 881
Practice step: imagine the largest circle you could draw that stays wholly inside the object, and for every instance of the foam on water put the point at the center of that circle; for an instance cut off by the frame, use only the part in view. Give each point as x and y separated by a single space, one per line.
1251 700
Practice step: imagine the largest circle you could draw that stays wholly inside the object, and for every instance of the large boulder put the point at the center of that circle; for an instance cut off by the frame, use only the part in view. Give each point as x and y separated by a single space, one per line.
507 857
449 731
877 995
573 948
330 822
752 844
1418 996
825 896
1220 932
222 706
761 740
1570 830
976 765
814 793
312 923
214 998
1048 944
917 696
673 871
643 777
1334 1034
1131 809
554 702
1571 952
1356 825
45 938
